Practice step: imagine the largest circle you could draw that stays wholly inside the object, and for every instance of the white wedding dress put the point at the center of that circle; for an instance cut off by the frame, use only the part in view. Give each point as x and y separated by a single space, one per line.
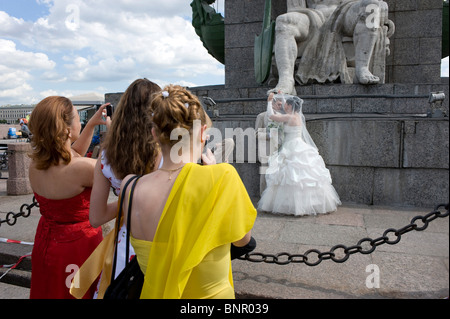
298 183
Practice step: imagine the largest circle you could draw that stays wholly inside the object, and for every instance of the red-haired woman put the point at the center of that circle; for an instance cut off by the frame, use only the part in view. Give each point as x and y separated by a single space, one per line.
61 179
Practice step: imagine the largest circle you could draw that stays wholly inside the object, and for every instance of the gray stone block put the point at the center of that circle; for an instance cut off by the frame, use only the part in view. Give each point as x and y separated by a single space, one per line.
353 184
238 11
367 143
417 73
410 187
413 24
434 134
402 5
373 105
406 52
250 176
334 106
235 78
429 4
410 105
241 35
18 166
430 50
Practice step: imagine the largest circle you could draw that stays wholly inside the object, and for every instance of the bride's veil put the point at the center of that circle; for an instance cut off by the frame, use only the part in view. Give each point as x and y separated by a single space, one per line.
297 104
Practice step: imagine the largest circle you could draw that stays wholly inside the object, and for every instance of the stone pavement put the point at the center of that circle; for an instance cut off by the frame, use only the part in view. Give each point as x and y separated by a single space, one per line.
416 267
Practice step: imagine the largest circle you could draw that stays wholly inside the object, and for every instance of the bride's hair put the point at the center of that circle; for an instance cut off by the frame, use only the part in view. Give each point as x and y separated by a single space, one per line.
295 102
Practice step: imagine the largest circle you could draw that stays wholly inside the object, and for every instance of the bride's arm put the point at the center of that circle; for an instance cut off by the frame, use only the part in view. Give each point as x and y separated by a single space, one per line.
277 117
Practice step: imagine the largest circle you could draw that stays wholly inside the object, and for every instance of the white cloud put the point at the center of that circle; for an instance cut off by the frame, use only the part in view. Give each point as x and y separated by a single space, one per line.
47 93
11 25
15 71
103 41
17 59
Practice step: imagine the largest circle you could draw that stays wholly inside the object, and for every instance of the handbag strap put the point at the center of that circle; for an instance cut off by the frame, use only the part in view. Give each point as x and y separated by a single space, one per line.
119 216
130 201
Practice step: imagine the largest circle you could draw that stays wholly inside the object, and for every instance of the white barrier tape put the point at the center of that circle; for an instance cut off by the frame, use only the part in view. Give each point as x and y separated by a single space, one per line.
10 241
11 267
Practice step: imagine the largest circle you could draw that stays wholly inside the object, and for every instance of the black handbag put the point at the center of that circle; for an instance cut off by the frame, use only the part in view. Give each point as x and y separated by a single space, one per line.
129 282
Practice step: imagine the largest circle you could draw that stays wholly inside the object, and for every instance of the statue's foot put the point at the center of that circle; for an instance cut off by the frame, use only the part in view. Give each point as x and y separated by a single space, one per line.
365 77
286 88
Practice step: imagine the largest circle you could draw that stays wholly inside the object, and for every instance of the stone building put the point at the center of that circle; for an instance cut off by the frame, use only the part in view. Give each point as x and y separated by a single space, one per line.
12 114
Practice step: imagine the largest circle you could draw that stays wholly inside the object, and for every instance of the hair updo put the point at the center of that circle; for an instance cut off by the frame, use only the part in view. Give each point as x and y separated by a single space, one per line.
175 107
295 102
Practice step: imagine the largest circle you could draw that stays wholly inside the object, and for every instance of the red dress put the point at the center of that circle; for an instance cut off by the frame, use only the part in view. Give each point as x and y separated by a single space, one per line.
64 240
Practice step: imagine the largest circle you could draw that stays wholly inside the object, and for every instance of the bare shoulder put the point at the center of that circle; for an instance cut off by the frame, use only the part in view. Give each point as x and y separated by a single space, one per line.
82 168
83 163
126 180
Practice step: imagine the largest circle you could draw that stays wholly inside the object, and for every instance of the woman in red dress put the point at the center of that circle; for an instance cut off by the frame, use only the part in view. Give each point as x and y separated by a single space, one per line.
61 179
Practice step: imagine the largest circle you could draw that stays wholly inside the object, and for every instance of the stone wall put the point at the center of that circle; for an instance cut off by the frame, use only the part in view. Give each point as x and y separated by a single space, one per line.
381 150
416 45
18 163
377 141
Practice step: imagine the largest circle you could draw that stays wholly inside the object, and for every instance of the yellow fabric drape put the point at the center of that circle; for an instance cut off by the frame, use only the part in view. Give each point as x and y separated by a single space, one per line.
99 261
207 207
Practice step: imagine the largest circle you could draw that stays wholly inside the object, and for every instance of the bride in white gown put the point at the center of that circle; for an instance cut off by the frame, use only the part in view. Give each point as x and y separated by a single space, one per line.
298 183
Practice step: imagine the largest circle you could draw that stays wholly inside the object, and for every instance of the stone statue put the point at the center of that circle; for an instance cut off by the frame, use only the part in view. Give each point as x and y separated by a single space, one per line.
318 31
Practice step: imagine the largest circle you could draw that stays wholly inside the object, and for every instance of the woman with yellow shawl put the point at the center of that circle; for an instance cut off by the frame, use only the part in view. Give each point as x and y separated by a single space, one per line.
185 216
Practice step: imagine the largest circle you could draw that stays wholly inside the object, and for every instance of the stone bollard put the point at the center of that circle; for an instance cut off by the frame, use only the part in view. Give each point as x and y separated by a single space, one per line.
18 163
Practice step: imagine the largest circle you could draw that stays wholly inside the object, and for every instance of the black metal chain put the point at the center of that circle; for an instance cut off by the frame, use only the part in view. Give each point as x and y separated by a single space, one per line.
11 218
312 257
4 159
341 253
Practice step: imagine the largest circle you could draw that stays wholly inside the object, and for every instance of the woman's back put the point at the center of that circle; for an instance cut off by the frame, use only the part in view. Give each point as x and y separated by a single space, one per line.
187 225
62 181
209 279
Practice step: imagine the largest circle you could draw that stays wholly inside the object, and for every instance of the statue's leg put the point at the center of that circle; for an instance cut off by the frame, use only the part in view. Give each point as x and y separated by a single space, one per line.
365 22
291 28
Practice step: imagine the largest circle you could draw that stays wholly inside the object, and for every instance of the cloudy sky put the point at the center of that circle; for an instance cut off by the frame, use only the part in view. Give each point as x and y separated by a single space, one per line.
72 47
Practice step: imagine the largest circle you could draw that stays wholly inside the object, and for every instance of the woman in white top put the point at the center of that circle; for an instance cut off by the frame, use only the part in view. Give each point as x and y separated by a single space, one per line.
129 148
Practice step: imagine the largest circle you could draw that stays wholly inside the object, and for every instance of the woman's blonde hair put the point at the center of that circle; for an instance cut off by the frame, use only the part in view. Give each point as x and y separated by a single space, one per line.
49 125
130 147
176 107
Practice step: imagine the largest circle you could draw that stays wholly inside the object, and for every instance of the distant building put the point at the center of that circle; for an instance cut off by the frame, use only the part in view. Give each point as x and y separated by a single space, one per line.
12 114
86 105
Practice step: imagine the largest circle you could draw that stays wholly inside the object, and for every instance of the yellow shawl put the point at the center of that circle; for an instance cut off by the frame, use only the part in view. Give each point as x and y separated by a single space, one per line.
208 207
99 262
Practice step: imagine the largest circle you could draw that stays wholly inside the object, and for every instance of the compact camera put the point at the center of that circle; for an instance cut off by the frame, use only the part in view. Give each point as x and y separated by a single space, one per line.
109 110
